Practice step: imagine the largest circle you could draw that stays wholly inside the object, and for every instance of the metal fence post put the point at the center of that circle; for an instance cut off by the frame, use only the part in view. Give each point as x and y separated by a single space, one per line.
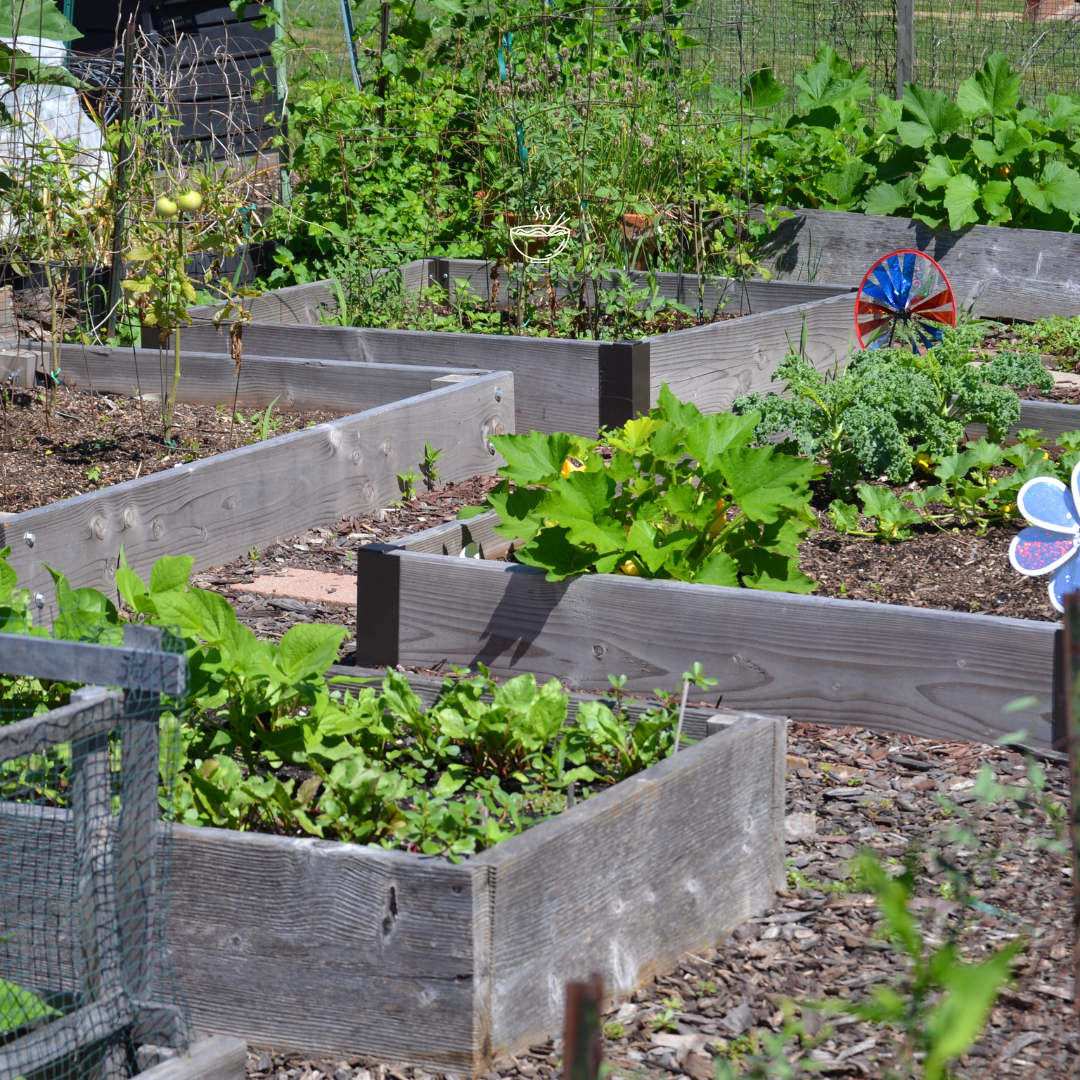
905 44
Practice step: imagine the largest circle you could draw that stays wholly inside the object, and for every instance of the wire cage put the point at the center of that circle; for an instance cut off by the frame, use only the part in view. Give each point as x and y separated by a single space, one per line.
86 992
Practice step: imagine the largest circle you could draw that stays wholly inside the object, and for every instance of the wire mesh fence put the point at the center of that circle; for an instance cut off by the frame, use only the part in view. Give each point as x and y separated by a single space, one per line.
86 991
952 39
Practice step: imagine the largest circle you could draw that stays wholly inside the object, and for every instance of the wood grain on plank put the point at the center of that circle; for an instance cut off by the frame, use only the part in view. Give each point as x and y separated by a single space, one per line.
217 508
219 1057
82 662
325 946
80 720
935 674
578 895
712 365
1013 273
209 378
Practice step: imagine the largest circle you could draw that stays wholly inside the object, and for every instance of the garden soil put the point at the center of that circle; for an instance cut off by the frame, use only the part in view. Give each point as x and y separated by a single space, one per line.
89 441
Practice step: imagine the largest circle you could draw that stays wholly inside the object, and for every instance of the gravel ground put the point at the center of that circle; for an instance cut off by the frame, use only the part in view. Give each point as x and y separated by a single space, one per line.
847 788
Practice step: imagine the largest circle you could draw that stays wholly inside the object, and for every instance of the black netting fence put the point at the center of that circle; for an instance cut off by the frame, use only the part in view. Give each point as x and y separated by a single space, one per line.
86 991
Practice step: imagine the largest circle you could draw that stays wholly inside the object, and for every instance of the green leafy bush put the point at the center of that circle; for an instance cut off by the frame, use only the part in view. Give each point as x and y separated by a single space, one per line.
966 492
672 495
889 405
986 157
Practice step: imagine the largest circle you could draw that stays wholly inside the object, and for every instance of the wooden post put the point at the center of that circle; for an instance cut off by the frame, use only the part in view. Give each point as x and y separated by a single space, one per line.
1071 673
905 44
582 1047
384 38
116 272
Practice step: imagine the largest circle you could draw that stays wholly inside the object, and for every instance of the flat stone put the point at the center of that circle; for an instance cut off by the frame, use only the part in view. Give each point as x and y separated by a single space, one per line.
304 585
799 827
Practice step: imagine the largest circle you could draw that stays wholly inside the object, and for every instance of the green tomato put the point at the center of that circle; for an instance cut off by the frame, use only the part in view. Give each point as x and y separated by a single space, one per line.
189 201
165 207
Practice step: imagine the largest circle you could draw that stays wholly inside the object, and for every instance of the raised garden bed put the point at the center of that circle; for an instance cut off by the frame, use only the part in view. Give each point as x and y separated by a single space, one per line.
1006 273
918 671
219 507
337 948
578 385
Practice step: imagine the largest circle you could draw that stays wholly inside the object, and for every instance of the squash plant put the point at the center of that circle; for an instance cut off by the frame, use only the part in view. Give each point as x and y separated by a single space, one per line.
673 495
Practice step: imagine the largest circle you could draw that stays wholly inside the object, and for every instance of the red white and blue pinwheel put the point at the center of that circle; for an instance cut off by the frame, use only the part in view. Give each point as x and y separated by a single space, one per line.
1050 544
904 302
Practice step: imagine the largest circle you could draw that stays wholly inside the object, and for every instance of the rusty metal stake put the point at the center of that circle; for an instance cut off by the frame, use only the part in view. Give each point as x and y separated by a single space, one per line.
1071 699
582 1047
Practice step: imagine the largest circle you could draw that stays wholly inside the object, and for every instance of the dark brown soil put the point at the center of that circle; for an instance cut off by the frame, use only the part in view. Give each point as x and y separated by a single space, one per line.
951 571
849 789
91 441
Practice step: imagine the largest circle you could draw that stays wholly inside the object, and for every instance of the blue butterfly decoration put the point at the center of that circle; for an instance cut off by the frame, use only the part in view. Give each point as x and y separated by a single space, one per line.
1050 545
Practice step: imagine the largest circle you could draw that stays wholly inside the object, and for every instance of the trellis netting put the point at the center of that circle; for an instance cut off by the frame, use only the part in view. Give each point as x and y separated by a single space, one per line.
86 992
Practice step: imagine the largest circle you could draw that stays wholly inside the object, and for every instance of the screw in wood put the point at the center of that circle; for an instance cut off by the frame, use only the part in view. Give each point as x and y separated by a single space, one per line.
30 539
498 393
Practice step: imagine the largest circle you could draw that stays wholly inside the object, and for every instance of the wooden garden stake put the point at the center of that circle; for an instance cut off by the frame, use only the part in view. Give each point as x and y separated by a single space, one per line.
582 1049
1071 697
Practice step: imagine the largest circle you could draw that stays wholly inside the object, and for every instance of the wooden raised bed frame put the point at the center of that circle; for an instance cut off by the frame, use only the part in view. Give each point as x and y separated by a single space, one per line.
219 507
934 674
327 947
576 385
1005 273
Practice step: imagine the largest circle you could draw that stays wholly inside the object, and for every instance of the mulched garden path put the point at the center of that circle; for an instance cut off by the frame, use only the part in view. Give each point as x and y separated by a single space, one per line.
848 789
94 441
330 550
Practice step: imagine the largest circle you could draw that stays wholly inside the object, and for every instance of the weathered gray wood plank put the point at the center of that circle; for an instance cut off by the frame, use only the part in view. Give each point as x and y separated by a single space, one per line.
62 1038
76 721
326 946
208 378
1013 273
937 674
220 1057
578 895
104 665
712 365
217 508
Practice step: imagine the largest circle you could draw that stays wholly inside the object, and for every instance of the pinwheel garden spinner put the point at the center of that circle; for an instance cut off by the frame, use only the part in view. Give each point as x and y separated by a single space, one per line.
905 301
1049 545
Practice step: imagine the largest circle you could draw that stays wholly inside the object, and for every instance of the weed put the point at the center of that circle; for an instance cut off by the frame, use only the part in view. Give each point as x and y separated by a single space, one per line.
428 466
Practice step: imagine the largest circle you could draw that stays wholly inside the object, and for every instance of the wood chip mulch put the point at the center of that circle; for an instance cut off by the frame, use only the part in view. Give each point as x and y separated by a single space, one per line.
848 789
330 549
93 441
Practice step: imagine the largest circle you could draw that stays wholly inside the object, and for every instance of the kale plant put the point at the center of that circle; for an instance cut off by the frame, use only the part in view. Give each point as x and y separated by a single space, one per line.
889 405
